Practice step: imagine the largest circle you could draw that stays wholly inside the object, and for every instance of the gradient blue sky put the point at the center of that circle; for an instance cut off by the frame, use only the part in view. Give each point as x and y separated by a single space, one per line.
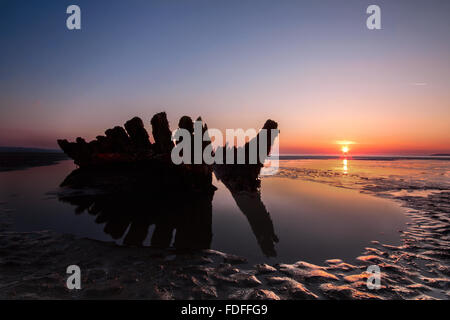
313 66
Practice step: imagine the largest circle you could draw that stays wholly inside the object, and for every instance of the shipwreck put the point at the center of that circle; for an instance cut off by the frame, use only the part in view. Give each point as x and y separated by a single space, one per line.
130 183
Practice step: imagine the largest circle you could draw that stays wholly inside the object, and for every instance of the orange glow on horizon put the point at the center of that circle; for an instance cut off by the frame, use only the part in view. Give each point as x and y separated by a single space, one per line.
380 146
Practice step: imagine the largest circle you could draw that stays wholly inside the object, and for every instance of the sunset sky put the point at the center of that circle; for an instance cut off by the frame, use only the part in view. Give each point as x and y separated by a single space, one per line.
312 66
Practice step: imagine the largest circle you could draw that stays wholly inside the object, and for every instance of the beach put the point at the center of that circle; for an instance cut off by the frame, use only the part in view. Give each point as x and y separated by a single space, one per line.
34 260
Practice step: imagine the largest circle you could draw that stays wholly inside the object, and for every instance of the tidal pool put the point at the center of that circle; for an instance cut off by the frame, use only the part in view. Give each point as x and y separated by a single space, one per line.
292 219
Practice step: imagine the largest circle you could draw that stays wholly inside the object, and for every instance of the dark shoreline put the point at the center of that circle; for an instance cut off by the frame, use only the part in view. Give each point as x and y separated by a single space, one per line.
23 160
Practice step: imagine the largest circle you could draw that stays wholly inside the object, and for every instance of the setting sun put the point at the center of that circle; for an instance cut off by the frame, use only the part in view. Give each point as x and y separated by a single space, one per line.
345 149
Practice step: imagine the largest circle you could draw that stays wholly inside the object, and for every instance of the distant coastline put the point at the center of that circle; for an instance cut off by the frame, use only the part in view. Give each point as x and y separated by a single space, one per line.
17 160
364 157
25 149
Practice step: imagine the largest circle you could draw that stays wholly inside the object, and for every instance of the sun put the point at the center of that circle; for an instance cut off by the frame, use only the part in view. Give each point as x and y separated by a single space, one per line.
344 144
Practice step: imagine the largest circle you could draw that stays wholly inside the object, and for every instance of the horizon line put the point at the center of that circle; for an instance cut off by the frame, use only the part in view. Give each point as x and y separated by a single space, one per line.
435 154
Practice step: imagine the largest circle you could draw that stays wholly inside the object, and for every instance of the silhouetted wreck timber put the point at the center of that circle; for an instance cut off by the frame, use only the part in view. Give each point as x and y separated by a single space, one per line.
162 134
128 183
130 150
245 177
120 145
138 135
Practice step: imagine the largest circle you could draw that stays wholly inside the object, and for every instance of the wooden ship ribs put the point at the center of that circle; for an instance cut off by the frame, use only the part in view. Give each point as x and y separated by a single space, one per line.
129 148
129 183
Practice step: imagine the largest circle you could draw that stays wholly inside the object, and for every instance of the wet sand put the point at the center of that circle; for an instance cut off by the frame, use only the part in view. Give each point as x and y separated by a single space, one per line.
33 264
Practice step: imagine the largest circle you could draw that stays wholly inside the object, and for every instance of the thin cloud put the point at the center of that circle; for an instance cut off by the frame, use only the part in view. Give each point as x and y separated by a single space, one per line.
345 142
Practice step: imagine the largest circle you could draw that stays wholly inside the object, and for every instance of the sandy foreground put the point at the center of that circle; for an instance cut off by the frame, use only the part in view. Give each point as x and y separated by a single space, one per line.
33 264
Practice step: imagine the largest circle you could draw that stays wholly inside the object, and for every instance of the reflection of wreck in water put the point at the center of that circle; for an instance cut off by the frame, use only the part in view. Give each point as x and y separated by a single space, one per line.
243 182
128 203
130 184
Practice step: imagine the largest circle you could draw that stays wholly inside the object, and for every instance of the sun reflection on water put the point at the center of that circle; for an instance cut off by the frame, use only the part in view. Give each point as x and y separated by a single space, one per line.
345 165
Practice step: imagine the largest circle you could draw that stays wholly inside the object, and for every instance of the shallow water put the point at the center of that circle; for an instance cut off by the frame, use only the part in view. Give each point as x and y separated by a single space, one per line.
312 221
430 171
